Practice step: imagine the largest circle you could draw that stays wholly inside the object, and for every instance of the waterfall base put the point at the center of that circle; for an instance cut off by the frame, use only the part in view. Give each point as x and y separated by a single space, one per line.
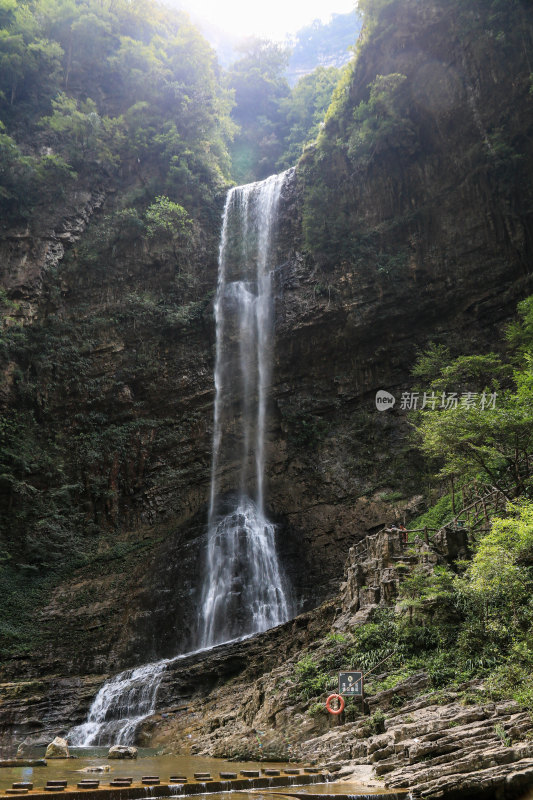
245 594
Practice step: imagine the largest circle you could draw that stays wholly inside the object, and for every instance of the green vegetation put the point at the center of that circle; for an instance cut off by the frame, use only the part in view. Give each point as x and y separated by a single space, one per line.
312 680
475 620
260 87
274 123
107 89
376 722
488 433
348 145
95 90
455 627
323 43
304 110
370 130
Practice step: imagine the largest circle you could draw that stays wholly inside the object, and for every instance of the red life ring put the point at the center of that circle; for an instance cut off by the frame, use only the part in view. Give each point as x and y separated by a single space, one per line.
340 709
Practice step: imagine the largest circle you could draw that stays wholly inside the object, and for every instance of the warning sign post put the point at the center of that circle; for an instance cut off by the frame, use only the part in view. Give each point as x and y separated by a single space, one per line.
351 684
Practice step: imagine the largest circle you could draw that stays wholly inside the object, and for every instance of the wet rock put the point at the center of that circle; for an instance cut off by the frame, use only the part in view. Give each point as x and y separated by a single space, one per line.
101 768
58 748
122 751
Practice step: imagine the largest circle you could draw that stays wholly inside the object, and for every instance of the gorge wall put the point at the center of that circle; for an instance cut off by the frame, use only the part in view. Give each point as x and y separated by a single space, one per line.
426 236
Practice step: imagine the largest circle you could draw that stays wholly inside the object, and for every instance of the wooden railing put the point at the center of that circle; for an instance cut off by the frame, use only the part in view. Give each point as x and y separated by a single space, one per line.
482 498
476 512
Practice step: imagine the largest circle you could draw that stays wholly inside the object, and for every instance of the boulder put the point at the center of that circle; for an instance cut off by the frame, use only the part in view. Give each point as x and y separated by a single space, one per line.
58 748
122 751
101 768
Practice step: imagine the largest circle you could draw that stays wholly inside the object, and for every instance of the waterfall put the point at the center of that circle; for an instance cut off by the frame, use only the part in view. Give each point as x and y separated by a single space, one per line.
244 588
120 705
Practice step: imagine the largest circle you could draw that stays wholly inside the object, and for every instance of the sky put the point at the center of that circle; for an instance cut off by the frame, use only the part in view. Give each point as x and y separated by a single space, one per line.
270 19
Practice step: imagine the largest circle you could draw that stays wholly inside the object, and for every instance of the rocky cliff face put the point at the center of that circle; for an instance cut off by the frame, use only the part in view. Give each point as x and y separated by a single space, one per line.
115 387
420 230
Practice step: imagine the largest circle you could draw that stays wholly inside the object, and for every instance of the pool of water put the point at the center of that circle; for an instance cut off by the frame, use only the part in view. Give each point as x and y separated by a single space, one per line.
148 763
323 789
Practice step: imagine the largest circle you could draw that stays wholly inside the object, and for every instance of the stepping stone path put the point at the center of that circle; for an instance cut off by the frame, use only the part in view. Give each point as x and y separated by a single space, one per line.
23 787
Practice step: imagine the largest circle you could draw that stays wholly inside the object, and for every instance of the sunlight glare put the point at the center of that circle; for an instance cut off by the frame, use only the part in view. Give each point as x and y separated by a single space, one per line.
274 19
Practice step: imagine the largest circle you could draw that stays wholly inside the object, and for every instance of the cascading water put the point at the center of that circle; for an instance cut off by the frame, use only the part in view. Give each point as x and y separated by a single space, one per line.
244 589
120 705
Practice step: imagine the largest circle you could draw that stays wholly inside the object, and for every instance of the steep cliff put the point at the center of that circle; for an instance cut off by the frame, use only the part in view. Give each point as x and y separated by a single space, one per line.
409 221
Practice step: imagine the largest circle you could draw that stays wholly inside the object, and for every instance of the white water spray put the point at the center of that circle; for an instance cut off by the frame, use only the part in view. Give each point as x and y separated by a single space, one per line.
120 705
244 589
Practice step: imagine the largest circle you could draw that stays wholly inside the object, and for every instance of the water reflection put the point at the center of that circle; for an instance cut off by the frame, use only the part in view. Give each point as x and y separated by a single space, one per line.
148 763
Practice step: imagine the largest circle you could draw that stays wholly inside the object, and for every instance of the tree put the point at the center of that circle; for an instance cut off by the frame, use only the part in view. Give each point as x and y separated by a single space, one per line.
259 84
81 133
488 431
170 227
496 589
305 109
494 443
12 51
